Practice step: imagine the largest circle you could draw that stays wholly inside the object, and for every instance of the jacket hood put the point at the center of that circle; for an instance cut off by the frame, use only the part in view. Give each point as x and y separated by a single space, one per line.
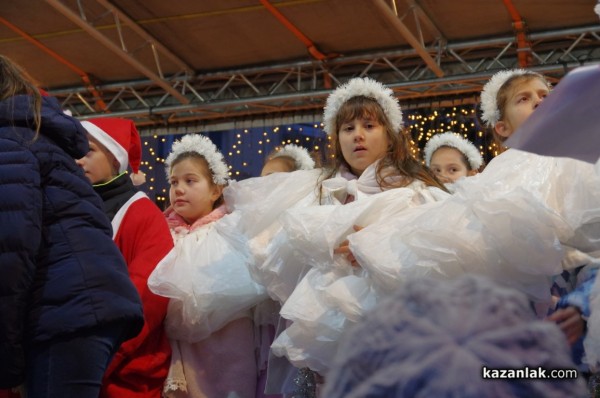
61 128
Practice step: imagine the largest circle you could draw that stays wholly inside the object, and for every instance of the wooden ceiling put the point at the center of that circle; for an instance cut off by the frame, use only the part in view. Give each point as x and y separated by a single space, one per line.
184 61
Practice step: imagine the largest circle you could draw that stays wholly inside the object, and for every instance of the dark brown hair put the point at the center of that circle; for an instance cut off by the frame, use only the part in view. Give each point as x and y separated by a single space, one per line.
15 81
205 170
399 155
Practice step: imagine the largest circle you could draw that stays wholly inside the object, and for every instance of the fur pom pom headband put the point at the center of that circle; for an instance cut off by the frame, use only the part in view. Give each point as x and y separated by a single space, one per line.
203 146
300 155
365 87
454 141
489 95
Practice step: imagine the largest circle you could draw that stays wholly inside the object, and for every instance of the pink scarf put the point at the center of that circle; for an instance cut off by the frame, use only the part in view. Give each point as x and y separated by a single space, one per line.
179 225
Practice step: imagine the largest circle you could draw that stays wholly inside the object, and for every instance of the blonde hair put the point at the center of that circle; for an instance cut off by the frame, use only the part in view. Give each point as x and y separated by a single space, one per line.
288 161
15 81
503 94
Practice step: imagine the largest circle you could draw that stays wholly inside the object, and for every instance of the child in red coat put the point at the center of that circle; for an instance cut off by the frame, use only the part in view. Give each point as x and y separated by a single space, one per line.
140 231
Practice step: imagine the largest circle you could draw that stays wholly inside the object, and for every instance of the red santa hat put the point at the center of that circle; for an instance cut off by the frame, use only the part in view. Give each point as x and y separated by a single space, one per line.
119 137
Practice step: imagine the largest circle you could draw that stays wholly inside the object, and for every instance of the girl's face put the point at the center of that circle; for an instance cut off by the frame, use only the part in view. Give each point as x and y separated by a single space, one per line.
521 101
99 165
192 194
448 165
362 141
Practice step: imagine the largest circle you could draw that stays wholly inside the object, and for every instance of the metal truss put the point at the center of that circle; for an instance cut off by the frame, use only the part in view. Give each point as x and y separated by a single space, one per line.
134 44
460 70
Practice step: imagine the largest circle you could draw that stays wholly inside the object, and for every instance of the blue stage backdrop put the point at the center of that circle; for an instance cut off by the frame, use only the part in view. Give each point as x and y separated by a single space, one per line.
245 149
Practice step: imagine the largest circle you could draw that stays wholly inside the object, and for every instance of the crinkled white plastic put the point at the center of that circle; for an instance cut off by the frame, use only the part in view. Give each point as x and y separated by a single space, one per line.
279 263
259 202
523 220
262 199
515 222
207 278
333 294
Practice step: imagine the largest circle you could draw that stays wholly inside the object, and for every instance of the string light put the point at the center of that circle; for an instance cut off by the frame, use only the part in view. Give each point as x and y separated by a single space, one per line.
245 149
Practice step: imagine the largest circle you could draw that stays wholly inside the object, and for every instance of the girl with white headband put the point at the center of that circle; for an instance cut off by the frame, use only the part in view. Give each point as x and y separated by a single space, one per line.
372 174
364 120
287 159
209 320
507 101
451 157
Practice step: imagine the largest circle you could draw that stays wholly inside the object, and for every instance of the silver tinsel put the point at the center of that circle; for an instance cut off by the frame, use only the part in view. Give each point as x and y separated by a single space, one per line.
306 385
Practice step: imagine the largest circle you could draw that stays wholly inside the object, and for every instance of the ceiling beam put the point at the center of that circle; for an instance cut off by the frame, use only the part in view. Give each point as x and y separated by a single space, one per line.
451 85
120 52
100 105
288 88
401 28
427 20
147 36
520 28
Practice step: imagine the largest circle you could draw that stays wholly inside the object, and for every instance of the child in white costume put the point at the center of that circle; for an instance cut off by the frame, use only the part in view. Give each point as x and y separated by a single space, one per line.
287 159
209 320
278 376
288 180
372 175
450 157
524 219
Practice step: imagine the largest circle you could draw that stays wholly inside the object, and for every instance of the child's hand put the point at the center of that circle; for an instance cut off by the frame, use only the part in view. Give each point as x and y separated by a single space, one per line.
344 249
570 322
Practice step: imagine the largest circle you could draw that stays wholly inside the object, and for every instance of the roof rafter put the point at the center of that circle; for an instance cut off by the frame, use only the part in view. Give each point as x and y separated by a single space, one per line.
297 87
388 14
121 50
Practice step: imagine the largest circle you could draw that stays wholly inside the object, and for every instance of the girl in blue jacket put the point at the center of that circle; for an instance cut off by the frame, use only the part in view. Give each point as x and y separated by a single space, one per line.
66 300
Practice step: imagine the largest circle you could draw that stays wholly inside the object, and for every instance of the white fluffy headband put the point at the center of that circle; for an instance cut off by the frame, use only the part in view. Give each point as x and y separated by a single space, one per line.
300 155
203 146
455 141
365 87
489 95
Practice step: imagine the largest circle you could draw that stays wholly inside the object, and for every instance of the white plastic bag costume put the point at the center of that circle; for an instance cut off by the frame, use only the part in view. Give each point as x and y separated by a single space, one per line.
259 202
333 294
207 279
522 220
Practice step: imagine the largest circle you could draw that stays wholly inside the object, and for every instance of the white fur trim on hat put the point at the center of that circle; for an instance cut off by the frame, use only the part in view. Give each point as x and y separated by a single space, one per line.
300 155
204 147
365 87
489 95
597 9
109 143
455 141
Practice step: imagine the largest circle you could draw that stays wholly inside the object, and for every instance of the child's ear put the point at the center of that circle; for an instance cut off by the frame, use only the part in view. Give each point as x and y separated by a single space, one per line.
216 193
471 173
503 129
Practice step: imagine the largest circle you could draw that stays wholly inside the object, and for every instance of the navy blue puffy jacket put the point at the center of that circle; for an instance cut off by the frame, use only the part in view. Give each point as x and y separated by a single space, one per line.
60 271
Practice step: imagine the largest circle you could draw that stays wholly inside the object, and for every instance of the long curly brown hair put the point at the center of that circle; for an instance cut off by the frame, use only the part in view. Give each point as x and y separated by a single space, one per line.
398 158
